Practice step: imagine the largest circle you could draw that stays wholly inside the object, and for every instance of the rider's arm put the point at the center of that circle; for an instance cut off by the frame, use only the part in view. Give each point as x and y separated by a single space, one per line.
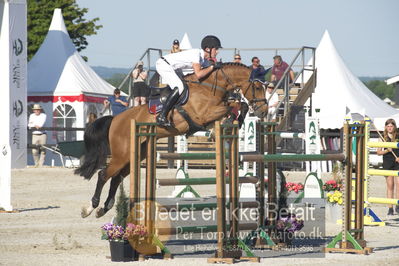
200 73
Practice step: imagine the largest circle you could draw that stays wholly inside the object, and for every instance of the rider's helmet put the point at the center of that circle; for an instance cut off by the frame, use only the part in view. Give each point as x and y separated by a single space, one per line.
210 41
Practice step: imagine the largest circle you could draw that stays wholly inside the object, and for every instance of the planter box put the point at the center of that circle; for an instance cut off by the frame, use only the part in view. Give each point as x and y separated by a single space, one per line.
333 212
122 251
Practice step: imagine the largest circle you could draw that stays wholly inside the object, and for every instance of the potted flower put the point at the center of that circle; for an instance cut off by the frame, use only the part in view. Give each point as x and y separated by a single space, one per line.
118 232
334 205
332 185
294 187
293 192
286 226
119 237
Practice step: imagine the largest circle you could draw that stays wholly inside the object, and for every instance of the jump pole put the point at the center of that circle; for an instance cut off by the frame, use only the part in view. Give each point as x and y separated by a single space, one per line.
351 240
140 132
222 254
370 217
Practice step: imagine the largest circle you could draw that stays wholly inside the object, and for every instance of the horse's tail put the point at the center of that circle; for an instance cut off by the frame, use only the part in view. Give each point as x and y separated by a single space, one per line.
97 147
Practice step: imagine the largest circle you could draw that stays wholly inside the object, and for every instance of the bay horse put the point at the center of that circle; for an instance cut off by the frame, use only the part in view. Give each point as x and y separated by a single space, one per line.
207 103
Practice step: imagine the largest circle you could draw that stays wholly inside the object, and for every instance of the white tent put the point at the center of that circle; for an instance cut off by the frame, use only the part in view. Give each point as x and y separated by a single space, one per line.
185 42
63 83
339 93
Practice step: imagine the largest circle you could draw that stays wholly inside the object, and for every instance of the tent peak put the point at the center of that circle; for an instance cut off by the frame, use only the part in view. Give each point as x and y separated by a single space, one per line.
57 23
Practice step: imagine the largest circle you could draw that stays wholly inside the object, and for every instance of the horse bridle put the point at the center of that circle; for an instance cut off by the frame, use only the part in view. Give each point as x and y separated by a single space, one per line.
237 89
214 86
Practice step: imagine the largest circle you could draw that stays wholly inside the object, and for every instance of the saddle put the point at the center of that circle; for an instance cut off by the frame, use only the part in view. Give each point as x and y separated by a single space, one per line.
158 97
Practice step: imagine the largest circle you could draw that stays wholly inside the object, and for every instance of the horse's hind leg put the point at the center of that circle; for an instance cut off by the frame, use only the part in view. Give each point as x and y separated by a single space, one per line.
95 200
115 181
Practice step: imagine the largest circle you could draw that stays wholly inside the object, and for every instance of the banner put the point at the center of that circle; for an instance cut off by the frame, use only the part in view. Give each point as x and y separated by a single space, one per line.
13 80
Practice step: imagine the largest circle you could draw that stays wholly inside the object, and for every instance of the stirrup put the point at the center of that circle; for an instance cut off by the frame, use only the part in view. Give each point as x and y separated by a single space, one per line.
163 121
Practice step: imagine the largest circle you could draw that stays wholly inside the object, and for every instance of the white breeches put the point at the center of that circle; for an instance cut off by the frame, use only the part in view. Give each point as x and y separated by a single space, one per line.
271 114
168 75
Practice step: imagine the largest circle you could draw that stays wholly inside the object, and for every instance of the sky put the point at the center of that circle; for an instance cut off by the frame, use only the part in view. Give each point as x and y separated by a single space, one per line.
365 32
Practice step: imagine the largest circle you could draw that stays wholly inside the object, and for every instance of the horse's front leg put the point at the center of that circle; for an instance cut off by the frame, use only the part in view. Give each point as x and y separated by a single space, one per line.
95 200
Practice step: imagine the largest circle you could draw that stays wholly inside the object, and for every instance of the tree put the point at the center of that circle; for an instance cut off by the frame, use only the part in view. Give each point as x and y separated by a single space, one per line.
40 13
380 88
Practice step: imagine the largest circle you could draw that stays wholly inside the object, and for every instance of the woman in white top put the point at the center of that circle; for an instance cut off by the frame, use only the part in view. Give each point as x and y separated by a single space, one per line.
189 61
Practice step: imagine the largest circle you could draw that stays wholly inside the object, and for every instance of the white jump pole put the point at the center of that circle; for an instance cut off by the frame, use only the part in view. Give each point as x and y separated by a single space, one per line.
13 80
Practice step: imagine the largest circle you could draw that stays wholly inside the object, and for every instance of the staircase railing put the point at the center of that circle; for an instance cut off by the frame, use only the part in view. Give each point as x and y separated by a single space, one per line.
284 81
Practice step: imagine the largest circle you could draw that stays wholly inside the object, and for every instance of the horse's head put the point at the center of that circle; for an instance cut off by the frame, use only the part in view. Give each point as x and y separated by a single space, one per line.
236 78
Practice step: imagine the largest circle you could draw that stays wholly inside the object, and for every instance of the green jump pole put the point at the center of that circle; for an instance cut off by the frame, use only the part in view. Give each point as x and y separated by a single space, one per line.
200 229
292 158
188 156
201 181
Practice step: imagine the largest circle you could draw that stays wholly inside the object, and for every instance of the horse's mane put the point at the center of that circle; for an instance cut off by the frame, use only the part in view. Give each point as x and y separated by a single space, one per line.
235 64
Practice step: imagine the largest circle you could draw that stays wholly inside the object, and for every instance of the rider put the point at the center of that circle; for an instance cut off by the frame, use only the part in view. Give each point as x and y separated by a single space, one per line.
191 61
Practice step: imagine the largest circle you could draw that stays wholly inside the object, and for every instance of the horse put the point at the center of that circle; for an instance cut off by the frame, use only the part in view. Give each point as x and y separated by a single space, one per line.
206 103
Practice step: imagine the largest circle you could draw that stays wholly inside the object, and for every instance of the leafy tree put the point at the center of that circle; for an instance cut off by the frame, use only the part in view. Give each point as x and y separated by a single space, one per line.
116 80
380 88
40 13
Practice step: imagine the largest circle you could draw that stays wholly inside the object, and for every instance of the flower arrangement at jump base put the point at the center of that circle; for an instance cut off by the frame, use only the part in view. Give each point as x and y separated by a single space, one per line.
286 226
332 185
290 223
335 197
115 232
290 186
119 232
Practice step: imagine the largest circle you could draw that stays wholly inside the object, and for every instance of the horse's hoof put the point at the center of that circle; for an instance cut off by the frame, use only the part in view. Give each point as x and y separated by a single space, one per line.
100 212
85 212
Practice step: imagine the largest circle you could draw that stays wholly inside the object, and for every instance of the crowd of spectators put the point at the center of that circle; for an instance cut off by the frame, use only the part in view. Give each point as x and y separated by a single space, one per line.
270 77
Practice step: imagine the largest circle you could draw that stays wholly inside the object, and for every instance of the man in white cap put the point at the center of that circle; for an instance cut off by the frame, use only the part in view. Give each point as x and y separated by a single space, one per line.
39 137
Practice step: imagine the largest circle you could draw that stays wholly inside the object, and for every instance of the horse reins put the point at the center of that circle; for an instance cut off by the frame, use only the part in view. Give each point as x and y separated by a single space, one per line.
236 88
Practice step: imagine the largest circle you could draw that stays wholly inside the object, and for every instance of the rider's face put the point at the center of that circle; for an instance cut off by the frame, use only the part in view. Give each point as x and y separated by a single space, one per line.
211 52
214 52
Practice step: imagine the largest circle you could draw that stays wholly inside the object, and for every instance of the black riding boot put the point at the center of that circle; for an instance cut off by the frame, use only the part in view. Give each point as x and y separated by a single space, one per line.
162 119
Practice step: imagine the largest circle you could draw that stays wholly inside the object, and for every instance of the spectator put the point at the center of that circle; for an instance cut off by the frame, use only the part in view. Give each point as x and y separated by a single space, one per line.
390 161
237 58
272 102
258 71
175 47
117 102
140 88
279 68
91 118
39 137
190 61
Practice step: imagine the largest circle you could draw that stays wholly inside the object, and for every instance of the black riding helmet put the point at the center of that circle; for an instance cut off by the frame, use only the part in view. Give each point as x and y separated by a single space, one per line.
210 41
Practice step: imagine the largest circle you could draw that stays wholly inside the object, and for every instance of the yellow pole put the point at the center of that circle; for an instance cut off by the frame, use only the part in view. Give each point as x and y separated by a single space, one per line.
392 145
383 172
384 201
366 160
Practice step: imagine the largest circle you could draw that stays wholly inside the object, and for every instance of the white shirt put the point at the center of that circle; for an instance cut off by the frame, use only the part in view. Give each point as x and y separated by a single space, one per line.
184 60
273 100
37 120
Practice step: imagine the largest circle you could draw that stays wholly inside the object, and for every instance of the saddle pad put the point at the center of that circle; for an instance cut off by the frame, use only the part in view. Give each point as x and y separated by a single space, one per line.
155 105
